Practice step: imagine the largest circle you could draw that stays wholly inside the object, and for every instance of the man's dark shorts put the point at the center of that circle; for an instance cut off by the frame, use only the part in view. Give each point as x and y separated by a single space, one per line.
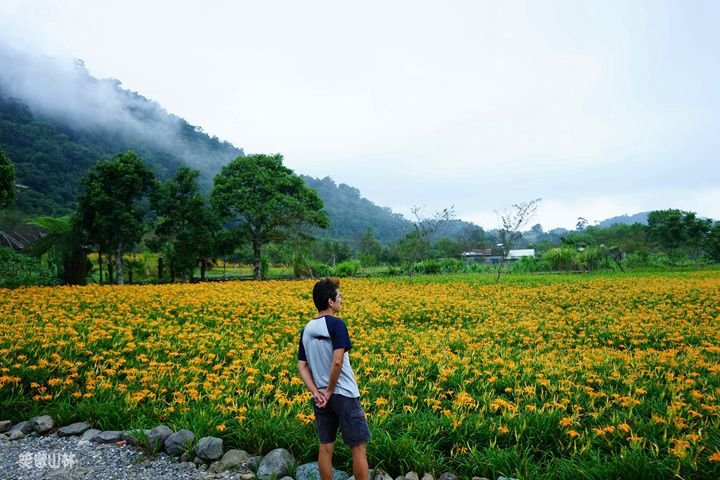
346 413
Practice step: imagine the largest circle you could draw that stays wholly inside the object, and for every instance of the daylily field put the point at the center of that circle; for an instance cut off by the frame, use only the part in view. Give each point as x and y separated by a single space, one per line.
537 378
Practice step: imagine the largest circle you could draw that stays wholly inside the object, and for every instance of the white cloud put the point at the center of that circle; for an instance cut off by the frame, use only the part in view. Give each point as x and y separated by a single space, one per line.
599 108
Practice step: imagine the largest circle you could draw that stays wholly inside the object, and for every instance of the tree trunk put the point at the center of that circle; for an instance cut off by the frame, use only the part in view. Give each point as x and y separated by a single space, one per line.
256 256
111 270
119 265
100 262
160 268
203 268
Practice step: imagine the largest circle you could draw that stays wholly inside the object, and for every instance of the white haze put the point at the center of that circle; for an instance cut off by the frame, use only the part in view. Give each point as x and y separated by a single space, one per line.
63 89
601 108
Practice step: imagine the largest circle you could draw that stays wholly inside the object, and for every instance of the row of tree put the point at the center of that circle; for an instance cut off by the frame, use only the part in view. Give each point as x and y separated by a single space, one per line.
259 211
256 198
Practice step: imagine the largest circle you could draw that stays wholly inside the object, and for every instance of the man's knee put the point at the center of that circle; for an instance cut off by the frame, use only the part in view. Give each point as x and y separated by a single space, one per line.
327 448
358 449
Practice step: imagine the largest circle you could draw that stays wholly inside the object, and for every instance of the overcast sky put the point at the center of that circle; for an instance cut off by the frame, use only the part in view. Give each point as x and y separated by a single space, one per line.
600 108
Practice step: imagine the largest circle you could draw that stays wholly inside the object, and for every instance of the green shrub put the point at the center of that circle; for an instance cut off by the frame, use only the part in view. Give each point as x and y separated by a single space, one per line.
428 267
561 258
311 269
348 268
18 270
452 265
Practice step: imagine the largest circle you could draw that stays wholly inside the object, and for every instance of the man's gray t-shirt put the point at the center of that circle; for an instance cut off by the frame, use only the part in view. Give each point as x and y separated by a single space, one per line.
320 337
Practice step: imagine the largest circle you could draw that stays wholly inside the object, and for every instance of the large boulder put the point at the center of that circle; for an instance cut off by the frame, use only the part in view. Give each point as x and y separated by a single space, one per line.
43 424
77 428
23 427
90 435
5 426
156 437
209 448
233 459
178 442
448 476
109 436
275 464
309 471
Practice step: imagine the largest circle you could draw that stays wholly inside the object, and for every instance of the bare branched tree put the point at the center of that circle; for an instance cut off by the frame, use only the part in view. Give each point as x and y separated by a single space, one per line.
416 243
511 222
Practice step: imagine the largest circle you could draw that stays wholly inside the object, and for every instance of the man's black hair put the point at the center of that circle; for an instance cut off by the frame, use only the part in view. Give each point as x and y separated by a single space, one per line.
323 291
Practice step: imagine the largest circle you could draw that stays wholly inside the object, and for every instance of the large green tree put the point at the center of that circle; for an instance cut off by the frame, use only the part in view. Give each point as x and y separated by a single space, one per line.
110 209
266 201
185 225
712 242
7 180
676 230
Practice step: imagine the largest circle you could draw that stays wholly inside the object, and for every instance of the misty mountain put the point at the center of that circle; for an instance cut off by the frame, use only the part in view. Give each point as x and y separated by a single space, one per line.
57 120
351 214
625 219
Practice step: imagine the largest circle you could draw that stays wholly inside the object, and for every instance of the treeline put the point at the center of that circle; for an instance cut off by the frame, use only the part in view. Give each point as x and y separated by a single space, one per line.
123 208
129 225
671 238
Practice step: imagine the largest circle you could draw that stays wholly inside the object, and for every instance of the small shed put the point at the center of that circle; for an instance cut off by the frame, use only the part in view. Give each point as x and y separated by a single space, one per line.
521 253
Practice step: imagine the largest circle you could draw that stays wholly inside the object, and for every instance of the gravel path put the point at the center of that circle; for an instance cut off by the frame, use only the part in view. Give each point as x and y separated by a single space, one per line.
61 458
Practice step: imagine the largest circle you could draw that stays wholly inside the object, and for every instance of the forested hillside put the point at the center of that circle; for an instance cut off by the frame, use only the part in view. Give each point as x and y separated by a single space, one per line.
53 135
351 214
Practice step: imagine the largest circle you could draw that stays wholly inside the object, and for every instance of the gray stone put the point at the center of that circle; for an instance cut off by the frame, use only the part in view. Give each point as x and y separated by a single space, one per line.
5 426
309 471
275 464
15 435
109 436
43 424
247 476
73 429
400 477
186 457
189 465
380 474
411 476
198 461
286 478
254 462
448 476
506 478
209 448
90 435
4 438
234 458
178 442
156 437
24 427
480 478
428 476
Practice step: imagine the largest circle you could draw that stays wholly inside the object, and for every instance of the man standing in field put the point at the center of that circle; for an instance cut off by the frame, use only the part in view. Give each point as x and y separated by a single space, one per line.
324 367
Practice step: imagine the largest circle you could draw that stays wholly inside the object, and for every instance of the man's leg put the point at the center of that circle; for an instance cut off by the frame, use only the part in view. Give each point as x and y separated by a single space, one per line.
325 461
360 464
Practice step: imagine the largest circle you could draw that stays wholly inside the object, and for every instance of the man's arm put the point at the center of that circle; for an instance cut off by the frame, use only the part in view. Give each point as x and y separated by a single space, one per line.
335 369
307 378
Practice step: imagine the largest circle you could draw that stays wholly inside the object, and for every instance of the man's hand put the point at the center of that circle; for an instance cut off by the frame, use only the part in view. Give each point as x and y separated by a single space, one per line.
326 395
319 399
